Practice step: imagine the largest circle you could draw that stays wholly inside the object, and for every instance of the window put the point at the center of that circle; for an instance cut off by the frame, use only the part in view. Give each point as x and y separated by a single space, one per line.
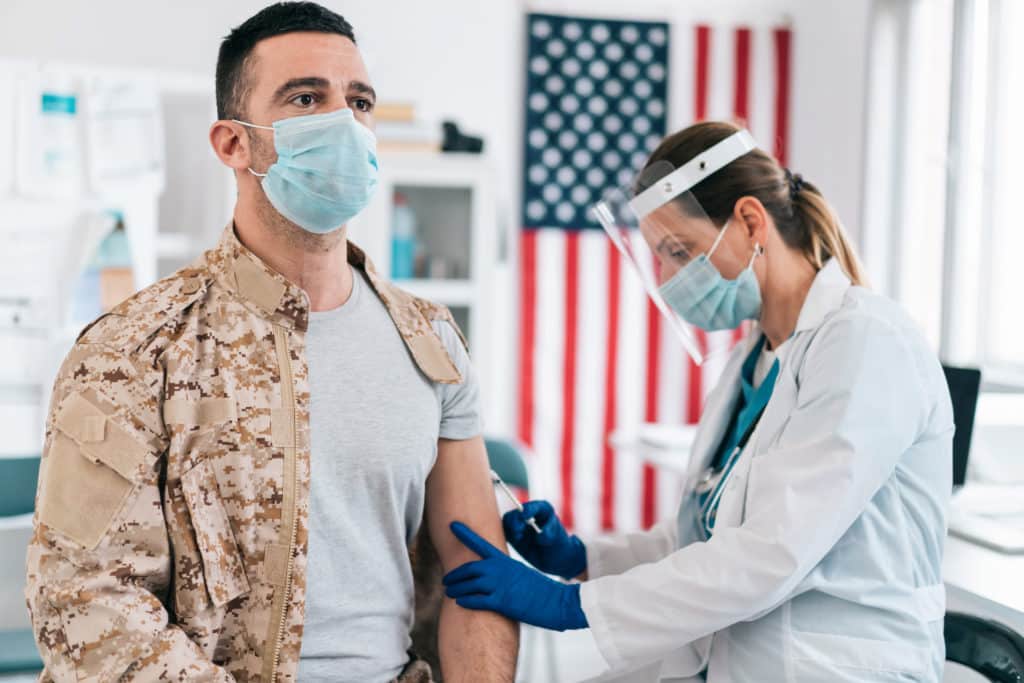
945 165
982 313
910 54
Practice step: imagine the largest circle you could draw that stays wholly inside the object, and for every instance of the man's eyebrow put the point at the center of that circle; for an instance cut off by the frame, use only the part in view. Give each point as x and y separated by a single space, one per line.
364 88
304 82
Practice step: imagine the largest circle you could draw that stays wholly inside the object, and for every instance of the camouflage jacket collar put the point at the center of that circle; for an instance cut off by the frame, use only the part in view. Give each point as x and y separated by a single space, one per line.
275 298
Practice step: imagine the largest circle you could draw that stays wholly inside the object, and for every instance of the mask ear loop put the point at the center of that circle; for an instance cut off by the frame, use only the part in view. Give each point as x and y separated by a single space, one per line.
253 125
718 240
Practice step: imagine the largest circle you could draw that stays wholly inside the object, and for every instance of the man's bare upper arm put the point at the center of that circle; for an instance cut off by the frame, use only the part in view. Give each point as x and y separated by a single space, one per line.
459 488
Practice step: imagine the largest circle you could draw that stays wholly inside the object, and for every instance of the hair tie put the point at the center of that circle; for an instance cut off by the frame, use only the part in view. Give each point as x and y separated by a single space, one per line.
795 182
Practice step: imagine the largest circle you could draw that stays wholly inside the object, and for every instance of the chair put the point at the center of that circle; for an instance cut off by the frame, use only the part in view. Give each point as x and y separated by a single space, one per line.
986 647
508 460
964 385
18 476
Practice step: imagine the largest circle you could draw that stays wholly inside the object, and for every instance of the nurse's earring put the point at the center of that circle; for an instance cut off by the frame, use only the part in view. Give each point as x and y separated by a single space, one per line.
758 251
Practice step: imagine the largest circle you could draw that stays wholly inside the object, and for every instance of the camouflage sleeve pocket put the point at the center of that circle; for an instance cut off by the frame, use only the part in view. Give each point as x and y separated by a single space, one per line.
88 471
223 568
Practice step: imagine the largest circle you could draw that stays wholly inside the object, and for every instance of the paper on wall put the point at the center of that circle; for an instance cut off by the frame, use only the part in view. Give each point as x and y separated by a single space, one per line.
124 135
48 136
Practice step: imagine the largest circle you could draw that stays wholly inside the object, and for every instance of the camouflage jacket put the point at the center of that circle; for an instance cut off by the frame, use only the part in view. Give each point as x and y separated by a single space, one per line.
170 533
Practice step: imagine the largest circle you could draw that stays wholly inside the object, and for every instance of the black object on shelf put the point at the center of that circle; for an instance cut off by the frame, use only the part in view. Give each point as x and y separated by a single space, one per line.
457 141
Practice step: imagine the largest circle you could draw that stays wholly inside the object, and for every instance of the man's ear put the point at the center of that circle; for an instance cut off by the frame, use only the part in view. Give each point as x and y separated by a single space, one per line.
231 144
751 214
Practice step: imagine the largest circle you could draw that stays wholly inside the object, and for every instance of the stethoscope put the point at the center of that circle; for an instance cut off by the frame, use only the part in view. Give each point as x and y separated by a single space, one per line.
713 478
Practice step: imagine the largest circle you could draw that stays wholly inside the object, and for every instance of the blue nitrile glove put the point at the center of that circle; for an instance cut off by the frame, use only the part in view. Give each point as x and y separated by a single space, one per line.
500 584
553 550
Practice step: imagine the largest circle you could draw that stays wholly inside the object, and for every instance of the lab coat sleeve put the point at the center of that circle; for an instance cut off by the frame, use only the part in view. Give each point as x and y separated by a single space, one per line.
614 554
860 404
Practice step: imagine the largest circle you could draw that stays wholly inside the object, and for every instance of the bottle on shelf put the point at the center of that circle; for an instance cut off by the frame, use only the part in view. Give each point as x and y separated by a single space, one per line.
107 279
403 239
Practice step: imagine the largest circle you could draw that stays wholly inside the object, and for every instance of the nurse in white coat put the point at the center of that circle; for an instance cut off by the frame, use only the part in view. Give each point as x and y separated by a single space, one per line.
808 544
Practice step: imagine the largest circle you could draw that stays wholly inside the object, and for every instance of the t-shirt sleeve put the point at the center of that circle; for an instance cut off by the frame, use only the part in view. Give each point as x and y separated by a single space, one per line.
460 403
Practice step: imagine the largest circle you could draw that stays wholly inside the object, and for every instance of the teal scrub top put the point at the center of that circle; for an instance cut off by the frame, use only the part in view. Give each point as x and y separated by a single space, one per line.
749 405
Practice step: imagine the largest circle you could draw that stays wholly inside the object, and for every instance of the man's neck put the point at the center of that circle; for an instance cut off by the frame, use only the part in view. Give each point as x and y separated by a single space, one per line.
316 263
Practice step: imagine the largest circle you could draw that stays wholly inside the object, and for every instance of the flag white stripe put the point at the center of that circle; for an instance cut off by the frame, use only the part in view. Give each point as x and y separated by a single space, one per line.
549 354
671 403
722 76
762 89
682 73
630 383
591 358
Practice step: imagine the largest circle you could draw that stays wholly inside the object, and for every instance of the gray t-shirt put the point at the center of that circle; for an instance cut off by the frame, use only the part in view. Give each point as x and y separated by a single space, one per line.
374 422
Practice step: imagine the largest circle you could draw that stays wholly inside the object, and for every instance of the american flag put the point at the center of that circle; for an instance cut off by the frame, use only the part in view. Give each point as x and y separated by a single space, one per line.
594 354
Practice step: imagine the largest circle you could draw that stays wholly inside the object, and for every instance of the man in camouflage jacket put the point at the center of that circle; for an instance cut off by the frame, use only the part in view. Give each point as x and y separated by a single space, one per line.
171 533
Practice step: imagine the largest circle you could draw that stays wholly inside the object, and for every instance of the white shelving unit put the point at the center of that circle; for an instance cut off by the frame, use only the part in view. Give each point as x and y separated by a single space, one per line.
453 197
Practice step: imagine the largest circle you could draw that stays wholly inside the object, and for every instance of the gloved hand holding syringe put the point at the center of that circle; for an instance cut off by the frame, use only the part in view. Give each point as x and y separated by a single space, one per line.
515 501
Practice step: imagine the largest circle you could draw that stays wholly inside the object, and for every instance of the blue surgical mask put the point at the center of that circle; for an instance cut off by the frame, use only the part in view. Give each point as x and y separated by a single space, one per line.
326 169
704 298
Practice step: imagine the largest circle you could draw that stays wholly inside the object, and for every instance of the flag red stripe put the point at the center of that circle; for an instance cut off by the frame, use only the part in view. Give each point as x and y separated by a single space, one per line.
702 65
741 101
694 386
610 406
527 332
572 263
741 91
783 40
648 514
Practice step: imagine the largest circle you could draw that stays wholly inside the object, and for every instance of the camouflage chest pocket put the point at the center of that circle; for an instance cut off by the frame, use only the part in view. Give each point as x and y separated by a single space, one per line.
209 566
92 465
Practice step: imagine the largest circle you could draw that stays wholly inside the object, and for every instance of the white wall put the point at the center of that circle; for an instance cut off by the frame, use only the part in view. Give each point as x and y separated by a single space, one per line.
461 59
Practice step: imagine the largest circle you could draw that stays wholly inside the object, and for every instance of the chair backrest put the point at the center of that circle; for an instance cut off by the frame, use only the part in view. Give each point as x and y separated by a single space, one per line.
508 460
985 646
18 476
964 385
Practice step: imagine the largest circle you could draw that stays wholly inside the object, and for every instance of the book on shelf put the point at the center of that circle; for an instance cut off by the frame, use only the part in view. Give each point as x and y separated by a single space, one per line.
411 146
399 112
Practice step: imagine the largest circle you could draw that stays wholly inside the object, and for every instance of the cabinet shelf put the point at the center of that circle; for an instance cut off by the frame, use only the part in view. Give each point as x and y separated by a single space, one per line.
447 292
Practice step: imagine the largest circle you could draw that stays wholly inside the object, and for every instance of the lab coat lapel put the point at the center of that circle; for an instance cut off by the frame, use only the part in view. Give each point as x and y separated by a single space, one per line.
825 297
718 410
732 509
780 405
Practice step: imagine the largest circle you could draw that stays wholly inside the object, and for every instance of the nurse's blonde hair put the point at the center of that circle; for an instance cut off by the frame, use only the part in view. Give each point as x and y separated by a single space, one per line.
803 217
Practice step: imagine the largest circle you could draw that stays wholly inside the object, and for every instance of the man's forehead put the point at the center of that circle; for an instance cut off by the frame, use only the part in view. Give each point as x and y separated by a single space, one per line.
303 54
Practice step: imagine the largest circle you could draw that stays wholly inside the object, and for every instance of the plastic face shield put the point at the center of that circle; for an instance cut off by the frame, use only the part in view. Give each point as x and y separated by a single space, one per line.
658 226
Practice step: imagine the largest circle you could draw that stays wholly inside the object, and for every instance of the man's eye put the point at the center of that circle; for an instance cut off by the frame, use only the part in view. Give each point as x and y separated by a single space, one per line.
364 105
304 100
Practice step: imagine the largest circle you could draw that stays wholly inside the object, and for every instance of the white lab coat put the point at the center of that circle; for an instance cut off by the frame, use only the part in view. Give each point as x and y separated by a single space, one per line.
825 564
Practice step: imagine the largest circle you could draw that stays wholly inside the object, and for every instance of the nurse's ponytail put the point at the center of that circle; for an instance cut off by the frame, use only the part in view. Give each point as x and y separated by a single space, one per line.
826 233
803 217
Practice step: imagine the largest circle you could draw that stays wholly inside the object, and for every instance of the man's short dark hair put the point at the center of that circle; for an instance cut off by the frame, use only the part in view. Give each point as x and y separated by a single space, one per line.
233 79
